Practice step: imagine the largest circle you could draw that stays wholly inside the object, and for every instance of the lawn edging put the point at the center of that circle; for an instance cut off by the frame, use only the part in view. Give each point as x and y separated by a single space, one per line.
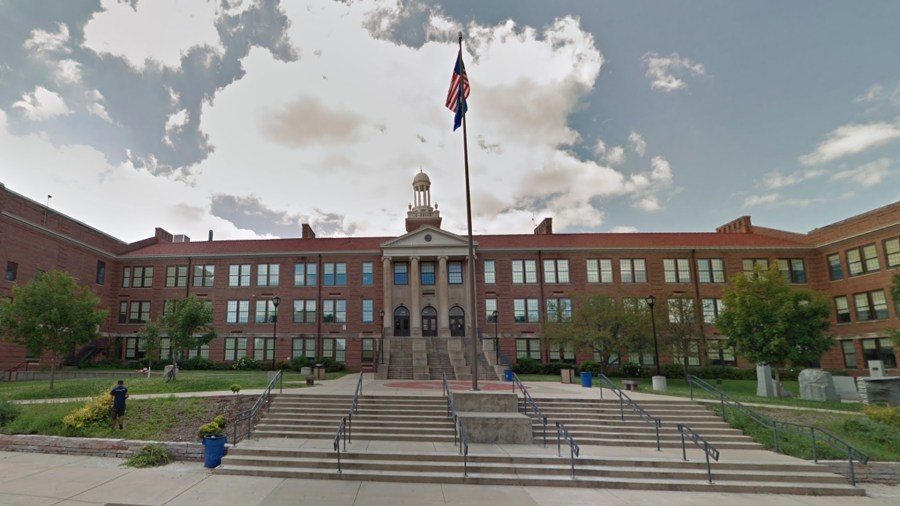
873 472
95 447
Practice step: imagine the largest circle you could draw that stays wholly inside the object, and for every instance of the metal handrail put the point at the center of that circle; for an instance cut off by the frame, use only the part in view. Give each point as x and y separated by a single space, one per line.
338 437
355 404
701 442
851 452
624 399
529 401
562 433
459 428
264 398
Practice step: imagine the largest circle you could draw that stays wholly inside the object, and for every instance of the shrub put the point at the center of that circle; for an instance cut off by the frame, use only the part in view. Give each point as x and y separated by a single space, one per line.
632 369
877 433
526 365
209 429
197 363
673 370
246 364
95 411
330 364
888 415
299 363
283 365
553 368
591 367
152 455
220 421
8 412
235 388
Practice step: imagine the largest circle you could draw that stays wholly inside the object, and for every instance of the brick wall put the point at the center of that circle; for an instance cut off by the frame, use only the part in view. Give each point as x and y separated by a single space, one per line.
119 448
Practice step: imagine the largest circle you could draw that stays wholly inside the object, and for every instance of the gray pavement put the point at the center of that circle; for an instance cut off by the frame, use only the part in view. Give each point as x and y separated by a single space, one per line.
40 479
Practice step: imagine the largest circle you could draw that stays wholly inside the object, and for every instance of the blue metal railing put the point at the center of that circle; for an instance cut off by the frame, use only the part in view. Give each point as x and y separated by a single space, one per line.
459 428
528 402
624 399
344 431
563 434
264 399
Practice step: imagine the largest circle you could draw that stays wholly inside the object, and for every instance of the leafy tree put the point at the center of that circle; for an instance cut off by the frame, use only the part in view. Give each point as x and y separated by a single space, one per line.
52 314
895 294
679 327
601 324
187 322
769 321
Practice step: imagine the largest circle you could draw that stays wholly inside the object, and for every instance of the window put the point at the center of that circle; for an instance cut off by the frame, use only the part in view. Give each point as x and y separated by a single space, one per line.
204 275
334 274
719 354
490 274
792 269
849 350
862 260
334 311
490 305
267 274
528 348
239 275
454 273
564 353
200 351
165 348
835 272
304 347
368 274
599 270
559 310
556 271
749 265
368 311
305 274
139 311
135 348
633 270
263 348
677 270
842 309
235 348
635 303
38 276
237 311
176 276
401 273
305 311
137 277
427 273
613 358
101 272
892 252
123 312
526 311
335 349
871 306
645 358
368 350
265 311
693 353
12 269
711 310
680 310
524 271
711 270
879 349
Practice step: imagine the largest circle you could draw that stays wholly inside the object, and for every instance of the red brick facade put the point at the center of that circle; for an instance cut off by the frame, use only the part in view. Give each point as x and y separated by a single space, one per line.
35 238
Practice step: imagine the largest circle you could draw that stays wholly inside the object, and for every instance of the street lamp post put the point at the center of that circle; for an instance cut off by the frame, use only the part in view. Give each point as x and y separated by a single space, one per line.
381 344
275 301
496 316
651 301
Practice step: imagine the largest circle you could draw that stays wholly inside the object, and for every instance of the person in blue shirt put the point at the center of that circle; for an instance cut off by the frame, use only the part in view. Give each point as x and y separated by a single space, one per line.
119 393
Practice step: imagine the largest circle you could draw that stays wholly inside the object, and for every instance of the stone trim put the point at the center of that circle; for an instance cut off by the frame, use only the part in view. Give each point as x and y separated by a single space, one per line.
877 472
96 447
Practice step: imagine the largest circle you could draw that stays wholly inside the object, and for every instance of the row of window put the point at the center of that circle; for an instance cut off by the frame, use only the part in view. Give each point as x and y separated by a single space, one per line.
880 348
532 348
241 275
864 259
869 306
263 349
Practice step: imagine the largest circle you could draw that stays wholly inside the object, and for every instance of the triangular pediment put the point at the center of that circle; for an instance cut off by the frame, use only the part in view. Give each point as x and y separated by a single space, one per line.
426 240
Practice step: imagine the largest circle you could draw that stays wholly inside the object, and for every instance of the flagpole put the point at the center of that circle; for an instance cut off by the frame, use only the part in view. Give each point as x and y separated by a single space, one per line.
471 259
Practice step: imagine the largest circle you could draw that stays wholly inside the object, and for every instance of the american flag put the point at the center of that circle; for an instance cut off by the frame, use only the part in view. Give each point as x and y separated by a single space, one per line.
458 92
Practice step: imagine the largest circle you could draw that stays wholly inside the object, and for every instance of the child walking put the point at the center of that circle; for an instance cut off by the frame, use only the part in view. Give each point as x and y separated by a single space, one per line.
119 393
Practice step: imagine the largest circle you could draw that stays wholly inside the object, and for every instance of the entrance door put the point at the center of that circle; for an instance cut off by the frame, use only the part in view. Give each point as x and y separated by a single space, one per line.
457 321
401 321
429 321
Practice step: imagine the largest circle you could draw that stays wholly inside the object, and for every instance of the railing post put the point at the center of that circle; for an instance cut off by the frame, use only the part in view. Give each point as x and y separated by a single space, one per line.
657 435
852 473
775 432
722 401
708 469
621 407
545 432
812 431
691 387
281 382
558 435
683 449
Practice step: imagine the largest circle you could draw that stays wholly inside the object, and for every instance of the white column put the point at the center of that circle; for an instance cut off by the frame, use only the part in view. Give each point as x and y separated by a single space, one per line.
387 284
415 295
442 297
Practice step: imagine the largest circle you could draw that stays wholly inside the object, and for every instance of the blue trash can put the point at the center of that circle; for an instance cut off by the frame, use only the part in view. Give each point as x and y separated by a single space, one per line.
214 449
507 374
587 381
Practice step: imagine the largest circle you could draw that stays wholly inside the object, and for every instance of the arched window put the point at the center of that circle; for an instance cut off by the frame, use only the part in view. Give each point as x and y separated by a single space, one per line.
429 321
401 321
457 321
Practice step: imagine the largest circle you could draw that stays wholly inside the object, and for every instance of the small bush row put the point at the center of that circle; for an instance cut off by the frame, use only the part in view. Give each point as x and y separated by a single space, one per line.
217 426
636 370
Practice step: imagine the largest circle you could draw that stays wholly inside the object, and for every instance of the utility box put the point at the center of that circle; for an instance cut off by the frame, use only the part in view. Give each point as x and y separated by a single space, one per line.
567 375
876 368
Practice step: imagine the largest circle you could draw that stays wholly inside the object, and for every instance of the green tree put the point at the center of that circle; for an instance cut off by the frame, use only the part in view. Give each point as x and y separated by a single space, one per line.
769 321
895 294
187 322
679 328
52 314
601 324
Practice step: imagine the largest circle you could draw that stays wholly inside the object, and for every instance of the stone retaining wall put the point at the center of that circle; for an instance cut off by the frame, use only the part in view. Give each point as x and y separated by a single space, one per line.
97 447
883 472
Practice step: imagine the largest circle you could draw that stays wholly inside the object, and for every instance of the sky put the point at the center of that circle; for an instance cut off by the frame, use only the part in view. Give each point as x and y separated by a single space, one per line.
250 118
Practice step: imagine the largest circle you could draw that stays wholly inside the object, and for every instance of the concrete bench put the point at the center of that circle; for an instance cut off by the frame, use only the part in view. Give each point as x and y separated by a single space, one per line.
631 385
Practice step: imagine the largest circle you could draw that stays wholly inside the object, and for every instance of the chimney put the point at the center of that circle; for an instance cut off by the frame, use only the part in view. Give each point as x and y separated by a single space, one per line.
545 228
210 235
741 224
307 232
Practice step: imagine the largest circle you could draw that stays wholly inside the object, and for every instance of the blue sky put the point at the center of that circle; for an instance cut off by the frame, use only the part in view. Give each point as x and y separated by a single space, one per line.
249 118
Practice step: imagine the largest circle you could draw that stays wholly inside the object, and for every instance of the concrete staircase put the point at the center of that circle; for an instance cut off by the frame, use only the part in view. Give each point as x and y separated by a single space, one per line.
593 422
378 418
400 365
439 359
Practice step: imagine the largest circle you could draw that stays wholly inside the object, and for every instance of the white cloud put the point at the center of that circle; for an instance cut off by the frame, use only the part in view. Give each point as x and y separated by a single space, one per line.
866 175
95 105
757 200
851 139
599 147
624 229
46 42
68 71
662 171
615 155
668 73
637 143
878 94
42 104
174 125
776 179
648 203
